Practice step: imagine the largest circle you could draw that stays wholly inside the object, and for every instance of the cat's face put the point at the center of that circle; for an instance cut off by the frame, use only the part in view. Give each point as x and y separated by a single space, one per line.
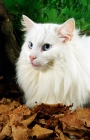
44 42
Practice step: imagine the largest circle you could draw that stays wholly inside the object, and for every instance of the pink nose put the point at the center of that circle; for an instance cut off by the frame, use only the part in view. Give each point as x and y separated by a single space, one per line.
32 57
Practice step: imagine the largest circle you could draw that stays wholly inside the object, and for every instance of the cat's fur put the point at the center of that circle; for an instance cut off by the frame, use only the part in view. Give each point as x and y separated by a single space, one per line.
60 74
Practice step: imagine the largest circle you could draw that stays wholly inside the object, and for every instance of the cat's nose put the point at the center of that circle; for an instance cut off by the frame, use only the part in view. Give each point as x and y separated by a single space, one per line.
32 57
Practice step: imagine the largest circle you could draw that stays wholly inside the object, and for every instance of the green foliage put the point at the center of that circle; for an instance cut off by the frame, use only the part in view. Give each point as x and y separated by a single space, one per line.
59 11
56 11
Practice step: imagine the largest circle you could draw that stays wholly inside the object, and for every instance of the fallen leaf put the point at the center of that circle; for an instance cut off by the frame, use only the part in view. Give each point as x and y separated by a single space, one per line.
6 131
39 132
74 123
8 106
61 134
52 122
19 133
28 120
22 110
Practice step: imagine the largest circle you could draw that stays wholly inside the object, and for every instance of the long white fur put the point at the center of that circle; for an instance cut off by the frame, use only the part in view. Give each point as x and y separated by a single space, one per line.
64 76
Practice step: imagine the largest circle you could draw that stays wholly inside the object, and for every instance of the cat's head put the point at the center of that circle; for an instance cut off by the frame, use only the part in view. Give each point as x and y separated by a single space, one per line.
44 42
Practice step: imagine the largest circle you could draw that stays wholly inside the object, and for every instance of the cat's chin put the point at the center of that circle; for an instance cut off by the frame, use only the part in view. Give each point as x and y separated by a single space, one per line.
37 67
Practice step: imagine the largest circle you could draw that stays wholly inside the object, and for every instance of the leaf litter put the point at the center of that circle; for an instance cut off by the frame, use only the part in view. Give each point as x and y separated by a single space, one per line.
44 122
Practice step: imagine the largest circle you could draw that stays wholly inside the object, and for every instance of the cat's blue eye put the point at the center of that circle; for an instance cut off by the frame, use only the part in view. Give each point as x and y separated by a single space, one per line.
46 47
30 45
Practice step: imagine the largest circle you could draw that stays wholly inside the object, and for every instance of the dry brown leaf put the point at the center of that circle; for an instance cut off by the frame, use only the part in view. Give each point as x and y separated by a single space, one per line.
42 121
21 115
61 134
39 132
28 120
4 119
74 123
52 122
84 115
77 119
87 123
73 132
8 105
20 133
15 119
49 109
22 110
6 131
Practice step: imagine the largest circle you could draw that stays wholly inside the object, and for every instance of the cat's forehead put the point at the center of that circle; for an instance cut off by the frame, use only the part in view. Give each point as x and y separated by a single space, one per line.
43 32
47 28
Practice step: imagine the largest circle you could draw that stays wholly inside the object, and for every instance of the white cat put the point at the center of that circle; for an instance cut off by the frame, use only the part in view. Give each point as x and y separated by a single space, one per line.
54 64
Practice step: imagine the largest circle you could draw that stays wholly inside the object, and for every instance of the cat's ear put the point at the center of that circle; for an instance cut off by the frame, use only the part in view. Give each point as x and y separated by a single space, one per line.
27 23
66 30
